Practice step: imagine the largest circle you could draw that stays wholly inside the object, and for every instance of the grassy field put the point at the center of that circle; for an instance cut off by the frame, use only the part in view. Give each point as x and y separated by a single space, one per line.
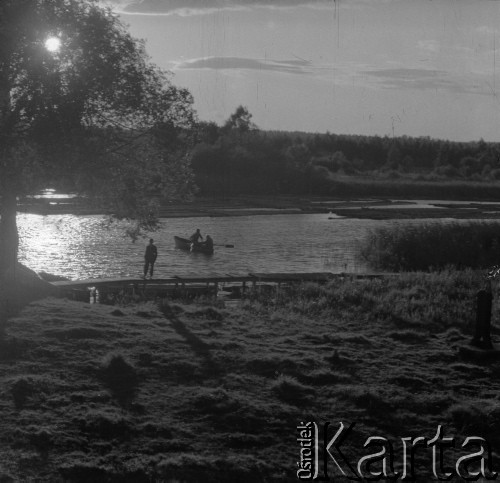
199 392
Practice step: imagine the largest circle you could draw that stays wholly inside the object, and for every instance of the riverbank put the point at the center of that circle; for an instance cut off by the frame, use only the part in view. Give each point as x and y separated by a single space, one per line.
206 393
365 208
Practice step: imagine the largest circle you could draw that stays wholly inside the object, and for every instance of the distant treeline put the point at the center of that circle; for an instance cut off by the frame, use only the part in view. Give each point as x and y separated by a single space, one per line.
237 158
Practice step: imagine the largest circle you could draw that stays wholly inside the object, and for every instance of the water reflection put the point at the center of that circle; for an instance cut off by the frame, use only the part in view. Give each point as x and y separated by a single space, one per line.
80 247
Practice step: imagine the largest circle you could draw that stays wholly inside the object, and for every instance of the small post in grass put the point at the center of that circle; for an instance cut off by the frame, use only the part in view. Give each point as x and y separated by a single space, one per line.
484 302
482 336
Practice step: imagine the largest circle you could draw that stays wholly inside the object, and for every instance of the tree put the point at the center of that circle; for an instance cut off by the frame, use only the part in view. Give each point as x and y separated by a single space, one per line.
240 120
208 132
394 157
83 112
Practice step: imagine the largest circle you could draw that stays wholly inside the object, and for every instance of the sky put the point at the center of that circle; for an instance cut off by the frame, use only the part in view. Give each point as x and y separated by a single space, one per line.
367 67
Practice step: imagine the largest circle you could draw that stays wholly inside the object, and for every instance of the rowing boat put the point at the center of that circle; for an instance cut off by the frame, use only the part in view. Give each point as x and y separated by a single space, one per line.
188 245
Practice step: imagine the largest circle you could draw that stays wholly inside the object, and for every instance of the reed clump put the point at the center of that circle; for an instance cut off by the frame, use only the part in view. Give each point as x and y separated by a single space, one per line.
433 246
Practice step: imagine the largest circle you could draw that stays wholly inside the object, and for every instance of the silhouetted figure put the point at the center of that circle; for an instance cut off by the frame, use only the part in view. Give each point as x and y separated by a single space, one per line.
484 300
150 258
196 236
209 243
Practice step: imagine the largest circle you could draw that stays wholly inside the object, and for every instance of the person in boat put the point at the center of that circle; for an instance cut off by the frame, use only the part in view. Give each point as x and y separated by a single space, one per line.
150 258
196 237
209 243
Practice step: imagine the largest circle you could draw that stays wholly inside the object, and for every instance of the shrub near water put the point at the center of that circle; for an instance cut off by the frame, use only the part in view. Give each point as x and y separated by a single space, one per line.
433 246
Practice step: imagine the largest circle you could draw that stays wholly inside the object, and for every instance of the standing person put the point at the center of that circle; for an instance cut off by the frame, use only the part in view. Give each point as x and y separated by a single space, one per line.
196 236
150 258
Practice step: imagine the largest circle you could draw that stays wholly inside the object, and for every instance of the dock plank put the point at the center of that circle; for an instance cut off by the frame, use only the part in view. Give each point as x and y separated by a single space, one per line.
192 278
317 276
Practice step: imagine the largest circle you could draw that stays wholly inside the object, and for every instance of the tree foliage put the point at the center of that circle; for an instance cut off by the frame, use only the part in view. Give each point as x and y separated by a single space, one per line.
240 120
277 162
95 116
91 104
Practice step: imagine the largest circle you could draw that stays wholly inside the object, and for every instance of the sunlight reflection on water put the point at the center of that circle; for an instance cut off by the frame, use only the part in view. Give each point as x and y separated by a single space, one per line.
80 247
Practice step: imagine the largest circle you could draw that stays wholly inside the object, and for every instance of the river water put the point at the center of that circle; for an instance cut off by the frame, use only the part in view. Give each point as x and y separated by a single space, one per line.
81 247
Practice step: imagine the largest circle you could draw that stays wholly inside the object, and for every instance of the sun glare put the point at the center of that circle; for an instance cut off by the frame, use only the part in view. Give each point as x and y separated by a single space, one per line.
53 44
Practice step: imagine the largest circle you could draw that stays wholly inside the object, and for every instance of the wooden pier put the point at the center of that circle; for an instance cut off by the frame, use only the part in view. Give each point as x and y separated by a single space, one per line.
193 284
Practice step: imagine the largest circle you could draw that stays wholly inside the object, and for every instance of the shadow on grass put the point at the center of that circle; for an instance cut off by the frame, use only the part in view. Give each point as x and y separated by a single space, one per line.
121 378
201 349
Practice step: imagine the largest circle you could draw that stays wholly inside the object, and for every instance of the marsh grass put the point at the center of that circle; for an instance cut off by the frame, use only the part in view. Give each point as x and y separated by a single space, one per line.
202 393
433 246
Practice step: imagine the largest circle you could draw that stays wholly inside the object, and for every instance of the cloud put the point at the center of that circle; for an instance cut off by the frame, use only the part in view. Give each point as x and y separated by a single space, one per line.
487 30
293 66
166 7
411 78
428 46
424 79
406 74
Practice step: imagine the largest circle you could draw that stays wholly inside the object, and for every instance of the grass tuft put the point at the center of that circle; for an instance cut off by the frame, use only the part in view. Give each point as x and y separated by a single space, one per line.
11 348
290 390
477 417
207 313
408 336
216 401
84 471
203 469
323 377
23 390
374 403
105 425
272 366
